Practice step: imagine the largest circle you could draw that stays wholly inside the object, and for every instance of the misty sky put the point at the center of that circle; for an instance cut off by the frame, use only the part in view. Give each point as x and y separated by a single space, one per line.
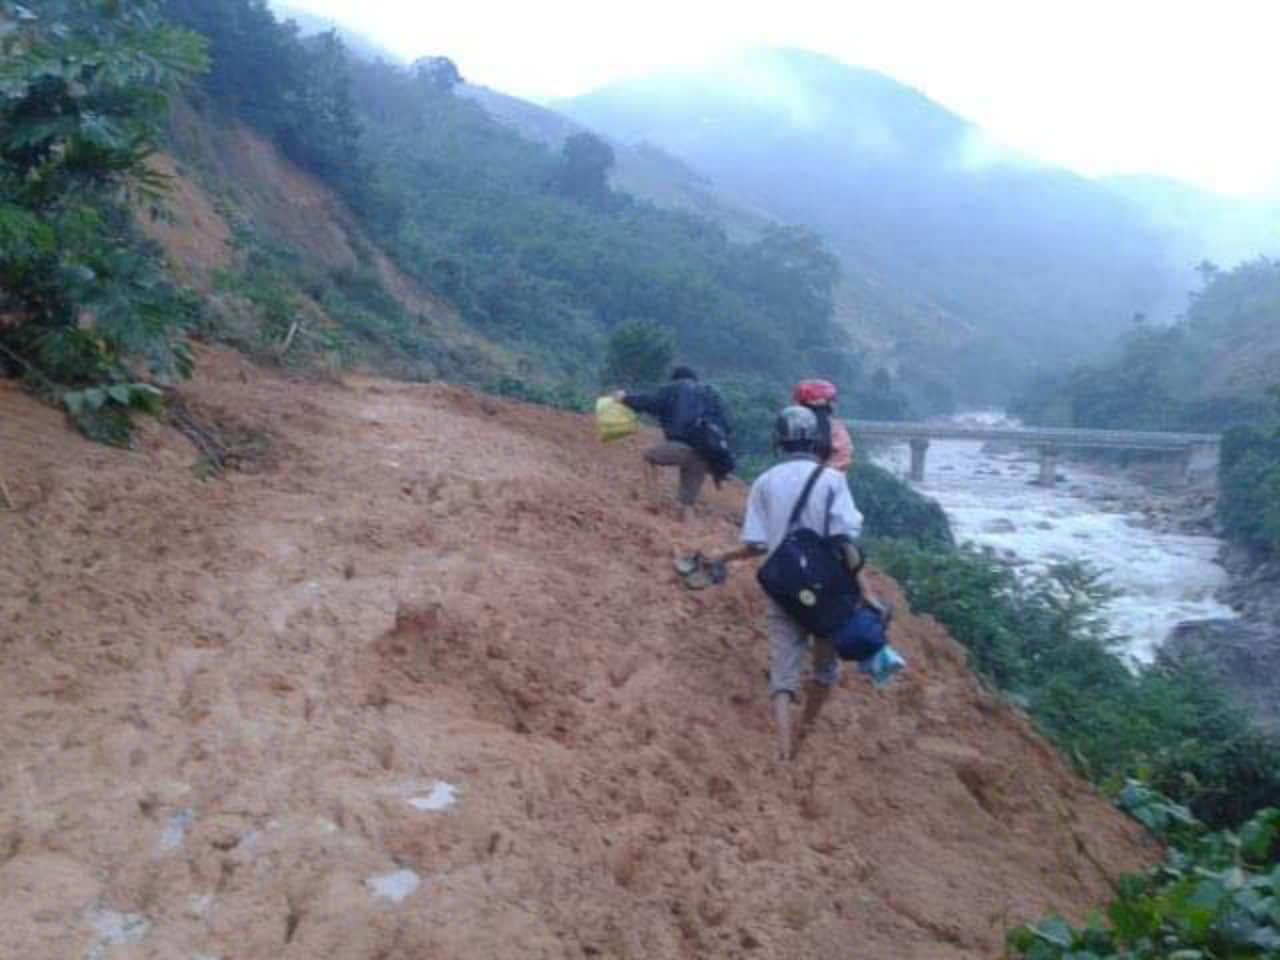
1177 87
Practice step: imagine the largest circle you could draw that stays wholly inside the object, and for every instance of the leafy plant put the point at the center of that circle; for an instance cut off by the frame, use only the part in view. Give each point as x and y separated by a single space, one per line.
1216 896
83 101
102 413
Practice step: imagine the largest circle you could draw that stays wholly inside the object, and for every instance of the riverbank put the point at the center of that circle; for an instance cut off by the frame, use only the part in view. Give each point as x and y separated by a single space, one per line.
1241 650
1154 547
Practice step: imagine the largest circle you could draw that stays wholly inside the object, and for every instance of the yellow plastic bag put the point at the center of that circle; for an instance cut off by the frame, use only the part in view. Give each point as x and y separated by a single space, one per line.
614 420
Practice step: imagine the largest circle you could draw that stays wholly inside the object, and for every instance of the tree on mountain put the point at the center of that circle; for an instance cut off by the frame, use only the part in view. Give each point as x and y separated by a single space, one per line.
319 129
638 355
296 90
1249 503
83 103
1208 271
439 73
879 400
585 162
791 269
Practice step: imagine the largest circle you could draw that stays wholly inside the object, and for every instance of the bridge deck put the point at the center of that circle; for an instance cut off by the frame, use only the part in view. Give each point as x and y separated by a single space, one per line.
1034 436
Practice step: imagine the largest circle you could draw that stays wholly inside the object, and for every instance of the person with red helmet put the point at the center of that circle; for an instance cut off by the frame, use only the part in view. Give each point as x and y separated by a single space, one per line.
835 446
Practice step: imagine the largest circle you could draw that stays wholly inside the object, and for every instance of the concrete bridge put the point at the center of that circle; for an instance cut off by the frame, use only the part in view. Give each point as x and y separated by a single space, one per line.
1049 440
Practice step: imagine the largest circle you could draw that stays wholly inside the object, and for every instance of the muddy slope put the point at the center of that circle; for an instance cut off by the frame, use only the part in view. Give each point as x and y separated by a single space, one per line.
418 684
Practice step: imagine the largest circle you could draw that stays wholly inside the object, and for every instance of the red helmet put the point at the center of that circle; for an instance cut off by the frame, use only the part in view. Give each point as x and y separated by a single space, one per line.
814 393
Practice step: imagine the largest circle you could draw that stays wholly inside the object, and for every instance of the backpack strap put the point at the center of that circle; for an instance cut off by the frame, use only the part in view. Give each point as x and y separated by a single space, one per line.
794 520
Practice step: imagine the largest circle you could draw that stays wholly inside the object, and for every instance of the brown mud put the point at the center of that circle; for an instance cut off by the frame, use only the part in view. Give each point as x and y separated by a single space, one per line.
220 698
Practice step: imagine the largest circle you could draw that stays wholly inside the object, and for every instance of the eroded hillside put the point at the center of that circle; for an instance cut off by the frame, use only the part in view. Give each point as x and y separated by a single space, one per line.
232 711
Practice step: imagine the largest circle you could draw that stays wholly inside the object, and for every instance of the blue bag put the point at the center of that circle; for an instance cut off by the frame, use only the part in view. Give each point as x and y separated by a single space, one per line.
862 636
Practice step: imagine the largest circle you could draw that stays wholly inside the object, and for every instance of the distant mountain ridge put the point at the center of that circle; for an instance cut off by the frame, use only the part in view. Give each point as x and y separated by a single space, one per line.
641 169
1009 264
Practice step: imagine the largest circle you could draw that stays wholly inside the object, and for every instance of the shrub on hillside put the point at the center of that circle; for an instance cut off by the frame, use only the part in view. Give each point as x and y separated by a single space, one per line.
891 509
638 354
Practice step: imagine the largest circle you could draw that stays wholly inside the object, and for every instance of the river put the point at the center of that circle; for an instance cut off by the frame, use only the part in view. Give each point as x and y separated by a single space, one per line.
1162 578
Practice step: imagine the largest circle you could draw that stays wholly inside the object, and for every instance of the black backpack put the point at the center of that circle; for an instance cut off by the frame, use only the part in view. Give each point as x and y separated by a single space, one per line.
807 576
699 422
708 438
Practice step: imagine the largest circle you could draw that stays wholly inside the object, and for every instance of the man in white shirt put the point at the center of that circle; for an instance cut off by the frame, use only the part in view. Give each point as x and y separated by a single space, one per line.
830 509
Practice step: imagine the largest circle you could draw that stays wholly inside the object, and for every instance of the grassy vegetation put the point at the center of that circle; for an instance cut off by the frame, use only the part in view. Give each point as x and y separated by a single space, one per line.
1044 644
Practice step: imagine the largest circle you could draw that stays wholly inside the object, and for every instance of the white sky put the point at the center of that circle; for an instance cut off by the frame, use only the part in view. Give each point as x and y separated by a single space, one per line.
1185 88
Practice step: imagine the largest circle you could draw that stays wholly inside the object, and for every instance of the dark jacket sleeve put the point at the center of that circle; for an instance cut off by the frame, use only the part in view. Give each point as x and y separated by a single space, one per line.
655 404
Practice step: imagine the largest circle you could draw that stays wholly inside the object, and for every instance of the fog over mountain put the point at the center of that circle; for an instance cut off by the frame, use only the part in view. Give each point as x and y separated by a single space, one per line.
1202 225
1017 264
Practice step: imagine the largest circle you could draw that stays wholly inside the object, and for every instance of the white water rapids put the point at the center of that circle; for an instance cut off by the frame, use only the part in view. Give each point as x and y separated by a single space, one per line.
1162 578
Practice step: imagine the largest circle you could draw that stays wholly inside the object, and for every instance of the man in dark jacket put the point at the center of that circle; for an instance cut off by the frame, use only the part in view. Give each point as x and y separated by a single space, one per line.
678 405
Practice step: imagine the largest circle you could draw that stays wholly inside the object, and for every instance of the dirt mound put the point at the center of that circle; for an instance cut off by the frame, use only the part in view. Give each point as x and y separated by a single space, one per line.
423 687
187 225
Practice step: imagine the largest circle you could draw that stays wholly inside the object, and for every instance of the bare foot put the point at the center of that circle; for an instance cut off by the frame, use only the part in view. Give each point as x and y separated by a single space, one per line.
815 697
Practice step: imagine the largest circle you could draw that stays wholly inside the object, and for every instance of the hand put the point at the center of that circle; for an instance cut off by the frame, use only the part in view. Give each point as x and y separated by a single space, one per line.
744 552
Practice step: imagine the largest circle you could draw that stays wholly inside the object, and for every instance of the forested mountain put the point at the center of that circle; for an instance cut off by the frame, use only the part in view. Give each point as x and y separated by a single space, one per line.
1216 369
535 250
1003 263
1208 371
640 169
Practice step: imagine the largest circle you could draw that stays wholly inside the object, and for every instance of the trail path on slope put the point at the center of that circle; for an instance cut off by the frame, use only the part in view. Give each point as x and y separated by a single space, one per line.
422 686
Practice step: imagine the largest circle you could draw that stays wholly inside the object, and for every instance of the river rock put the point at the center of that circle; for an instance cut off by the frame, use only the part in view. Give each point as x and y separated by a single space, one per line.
1254 589
999 525
1243 654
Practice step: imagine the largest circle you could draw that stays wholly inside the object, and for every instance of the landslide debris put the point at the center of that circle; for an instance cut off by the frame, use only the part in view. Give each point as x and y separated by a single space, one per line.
422 685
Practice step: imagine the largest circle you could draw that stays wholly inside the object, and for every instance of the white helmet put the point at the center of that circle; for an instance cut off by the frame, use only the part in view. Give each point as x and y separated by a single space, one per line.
796 430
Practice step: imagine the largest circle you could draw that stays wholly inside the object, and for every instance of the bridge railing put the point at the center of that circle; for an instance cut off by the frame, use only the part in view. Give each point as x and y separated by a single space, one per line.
1034 436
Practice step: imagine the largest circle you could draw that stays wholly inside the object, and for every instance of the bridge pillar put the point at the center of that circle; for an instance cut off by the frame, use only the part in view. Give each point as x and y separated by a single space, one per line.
1180 467
1048 466
919 447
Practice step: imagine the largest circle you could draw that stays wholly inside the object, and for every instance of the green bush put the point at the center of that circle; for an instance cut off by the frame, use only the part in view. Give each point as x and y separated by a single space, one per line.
1217 895
891 509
